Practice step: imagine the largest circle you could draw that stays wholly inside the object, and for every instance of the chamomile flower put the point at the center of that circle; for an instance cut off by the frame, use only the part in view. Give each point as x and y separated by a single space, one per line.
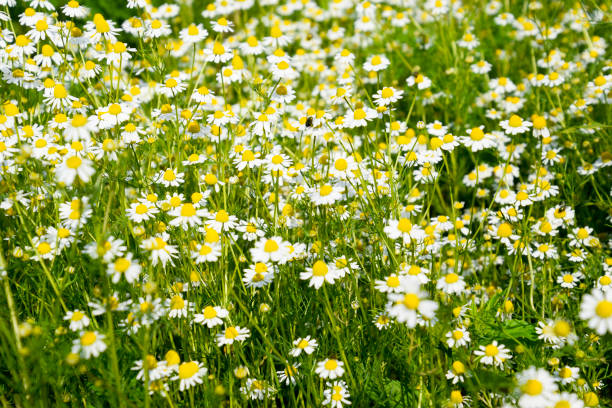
330 368
451 283
194 33
124 266
222 25
458 337
187 216
206 252
161 251
273 249
289 374
232 334
78 320
493 354
258 275
596 309
481 67
567 400
403 228
75 10
217 53
172 87
170 178
305 345
74 167
89 344
319 273
141 211
456 372
157 28
387 96
257 389
327 194
478 139
336 395
568 374
359 117
604 282
382 320
376 63
190 374
178 307
391 284
537 388
421 81
211 316
405 307
569 280
515 125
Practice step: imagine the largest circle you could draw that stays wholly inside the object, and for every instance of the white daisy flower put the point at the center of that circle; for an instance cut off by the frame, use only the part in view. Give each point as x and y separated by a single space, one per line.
190 374
596 308
330 368
319 273
211 316
537 386
232 334
89 344
303 345
78 320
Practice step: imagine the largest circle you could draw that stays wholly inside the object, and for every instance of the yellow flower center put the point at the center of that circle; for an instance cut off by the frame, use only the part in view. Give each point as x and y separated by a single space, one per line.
451 278
77 316
209 312
504 230
604 309
477 134
491 350
456 397
515 121
169 175
457 335
565 372
393 281
88 338
177 303
270 246
210 179
325 190
411 301
404 225
387 92
359 114
331 365
532 387
188 370
458 367
231 333
319 268
341 164
582 233
114 109
122 265
73 162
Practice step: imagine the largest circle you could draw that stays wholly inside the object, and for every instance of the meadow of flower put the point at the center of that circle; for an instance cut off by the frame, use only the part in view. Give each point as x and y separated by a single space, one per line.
366 203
